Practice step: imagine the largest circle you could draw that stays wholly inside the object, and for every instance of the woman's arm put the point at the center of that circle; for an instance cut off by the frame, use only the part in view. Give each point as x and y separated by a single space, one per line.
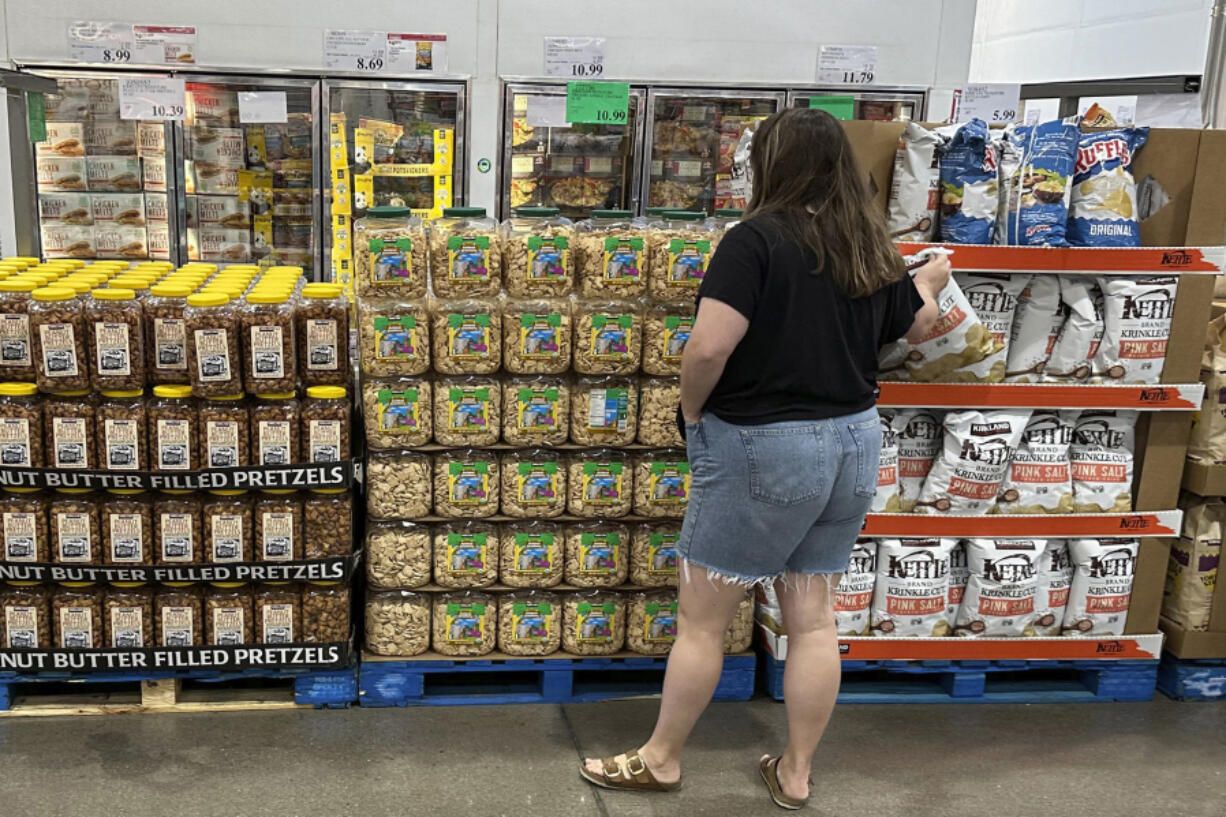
930 279
718 328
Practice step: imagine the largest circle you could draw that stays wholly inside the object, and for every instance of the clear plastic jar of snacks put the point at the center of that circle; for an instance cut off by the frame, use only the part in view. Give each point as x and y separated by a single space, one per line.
390 252
466 483
178 529
465 623
395 338
597 554
174 429
24 518
325 612
398 623
322 328
270 359
228 618
680 249
651 622
116 338
75 537
21 426
327 520
71 429
536 337
533 483
178 615
278 528
325 424
535 410
25 616
467 337
123 424
398 485
57 328
17 360
466 553
533 554
653 554
667 328
467 410
465 254
612 254
128 613
76 615
660 397
529 623
225 432
398 412
608 337
228 527
278 613
593 623
603 411
127 529
213 346
275 438
538 253
661 483
398 554
599 483
166 333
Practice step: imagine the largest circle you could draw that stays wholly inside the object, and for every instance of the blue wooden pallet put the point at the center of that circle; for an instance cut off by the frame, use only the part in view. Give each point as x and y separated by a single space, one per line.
949 682
443 682
1192 679
333 688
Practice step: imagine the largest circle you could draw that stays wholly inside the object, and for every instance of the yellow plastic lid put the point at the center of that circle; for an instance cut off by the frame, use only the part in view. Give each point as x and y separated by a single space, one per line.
276 395
23 584
5 273
130 282
125 491
79 287
77 584
226 397
172 391
177 584
123 393
321 291
37 277
207 299
18 389
326 392
170 291
227 492
325 584
72 490
18 285
71 393
54 294
114 294
30 260
228 585
127 585
23 490
267 297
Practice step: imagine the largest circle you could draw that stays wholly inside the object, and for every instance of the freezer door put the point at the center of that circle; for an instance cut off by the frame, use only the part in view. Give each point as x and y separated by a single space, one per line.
880 106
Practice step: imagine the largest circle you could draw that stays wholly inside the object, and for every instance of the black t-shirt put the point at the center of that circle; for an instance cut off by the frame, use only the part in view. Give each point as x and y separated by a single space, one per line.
810 352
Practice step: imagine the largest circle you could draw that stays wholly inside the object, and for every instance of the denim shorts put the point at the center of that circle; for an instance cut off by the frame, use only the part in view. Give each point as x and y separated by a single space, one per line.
779 498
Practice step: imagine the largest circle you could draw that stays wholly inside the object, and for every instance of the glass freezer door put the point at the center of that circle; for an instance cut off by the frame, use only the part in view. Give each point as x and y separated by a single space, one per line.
880 106
576 168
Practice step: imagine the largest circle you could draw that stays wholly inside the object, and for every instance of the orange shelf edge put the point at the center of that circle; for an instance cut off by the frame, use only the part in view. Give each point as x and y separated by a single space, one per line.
1023 526
1085 260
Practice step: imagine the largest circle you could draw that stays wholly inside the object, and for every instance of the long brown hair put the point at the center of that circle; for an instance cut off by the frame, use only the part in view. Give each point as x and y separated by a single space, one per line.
805 176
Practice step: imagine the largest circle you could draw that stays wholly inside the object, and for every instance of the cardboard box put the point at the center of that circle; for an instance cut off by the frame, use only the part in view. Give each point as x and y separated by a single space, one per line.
117 174
65 208
1204 479
63 139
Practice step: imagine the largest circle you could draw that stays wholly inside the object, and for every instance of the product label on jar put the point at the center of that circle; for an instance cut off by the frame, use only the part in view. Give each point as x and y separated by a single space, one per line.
15 442
463 623
662 554
274 441
74 536
174 445
278 543
538 336
533 553
537 483
659 622
127 542
221 443
602 483
114 352
391 262
676 334
177 536
267 353
20 626
608 409
468 258
598 553
530 622
59 342
178 626
14 339
468 483
170 343
395 337
611 335
397 411
687 262
537 410
229 624
468 336
324 441
213 355
277 623
70 442
468 410
548 258
77 626
20 537
127 627
595 623
623 260
669 483
321 341
227 542
467 553
121 439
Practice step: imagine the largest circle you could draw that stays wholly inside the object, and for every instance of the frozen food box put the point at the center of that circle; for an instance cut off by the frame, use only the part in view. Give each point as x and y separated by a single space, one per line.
58 173
65 208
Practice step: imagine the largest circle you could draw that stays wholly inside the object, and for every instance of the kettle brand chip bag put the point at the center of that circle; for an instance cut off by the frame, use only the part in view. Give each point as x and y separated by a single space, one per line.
968 186
1036 168
887 500
915 185
919 443
994 299
1103 207
1040 477
1072 355
976 451
854 595
1055 577
1137 316
1101 456
1001 593
957 339
912 589
959 575
1102 586
1036 324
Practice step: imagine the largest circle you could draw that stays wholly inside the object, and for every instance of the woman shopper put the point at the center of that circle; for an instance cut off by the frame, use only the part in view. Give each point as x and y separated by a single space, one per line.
778 394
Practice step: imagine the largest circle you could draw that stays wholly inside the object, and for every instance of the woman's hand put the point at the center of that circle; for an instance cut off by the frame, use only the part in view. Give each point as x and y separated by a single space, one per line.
929 279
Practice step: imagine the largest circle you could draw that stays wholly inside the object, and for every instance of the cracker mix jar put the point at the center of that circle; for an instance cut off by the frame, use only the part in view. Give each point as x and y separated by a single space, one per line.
325 424
654 560
390 252
465 254
603 411
278 613
660 397
597 554
465 623
321 324
398 555
228 619
608 337
667 328
229 527
21 426
57 327
398 412
395 337
593 623
599 483
127 529
23 524
651 628
174 424
75 537
398 622
398 484
466 483
533 483
76 610
538 252
178 615
535 411
536 336
270 360
533 554
467 337
178 529
611 250
466 553
166 334
128 609
661 483
680 247
25 616
529 623
225 432
116 339
16 343
275 438
467 410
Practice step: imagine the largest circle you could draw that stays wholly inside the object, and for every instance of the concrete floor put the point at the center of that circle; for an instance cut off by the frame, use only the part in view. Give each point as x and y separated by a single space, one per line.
1161 758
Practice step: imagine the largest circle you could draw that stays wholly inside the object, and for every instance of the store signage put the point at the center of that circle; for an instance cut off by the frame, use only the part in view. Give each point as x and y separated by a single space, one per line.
574 56
840 107
332 569
258 477
601 103
989 101
329 655
546 112
384 52
128 44
409 53
256 107
152 98
847 64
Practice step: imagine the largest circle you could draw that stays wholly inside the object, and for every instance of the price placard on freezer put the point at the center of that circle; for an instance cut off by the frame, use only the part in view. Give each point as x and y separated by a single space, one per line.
407 53
601 103
262 107
128 44
991 102
354 50
152 98
574 56
546 111
847 64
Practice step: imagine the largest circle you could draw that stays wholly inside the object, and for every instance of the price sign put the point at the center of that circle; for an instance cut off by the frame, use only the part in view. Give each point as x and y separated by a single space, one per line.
348 50
152 98
547 112
840 107
847 64
991 102
408 53
127 44
601 103
574 56
262 106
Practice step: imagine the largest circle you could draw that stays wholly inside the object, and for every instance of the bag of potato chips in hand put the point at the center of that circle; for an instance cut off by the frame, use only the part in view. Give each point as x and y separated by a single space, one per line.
956 340
994 299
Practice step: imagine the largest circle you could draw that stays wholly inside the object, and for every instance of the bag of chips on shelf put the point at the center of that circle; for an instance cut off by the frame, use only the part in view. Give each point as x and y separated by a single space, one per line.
959 575
1004 582
887 499
1102 586
919 444
1137 316
892 362
968 186
915 185
1208 441
1191 572
1055 577
1103 207
1101 456
1036 169
1040 476
1072 355
994 299
1037 322
911 594
975 455
957 339
854 595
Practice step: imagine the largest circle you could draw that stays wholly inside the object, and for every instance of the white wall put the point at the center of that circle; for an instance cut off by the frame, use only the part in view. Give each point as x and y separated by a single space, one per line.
1057 40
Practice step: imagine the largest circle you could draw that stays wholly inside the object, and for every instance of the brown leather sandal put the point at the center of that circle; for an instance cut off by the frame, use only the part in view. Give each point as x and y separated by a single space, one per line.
625 772
769 767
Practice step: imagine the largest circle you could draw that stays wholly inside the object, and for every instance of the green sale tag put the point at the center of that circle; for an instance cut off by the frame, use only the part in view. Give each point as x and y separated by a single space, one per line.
840 107
598 103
